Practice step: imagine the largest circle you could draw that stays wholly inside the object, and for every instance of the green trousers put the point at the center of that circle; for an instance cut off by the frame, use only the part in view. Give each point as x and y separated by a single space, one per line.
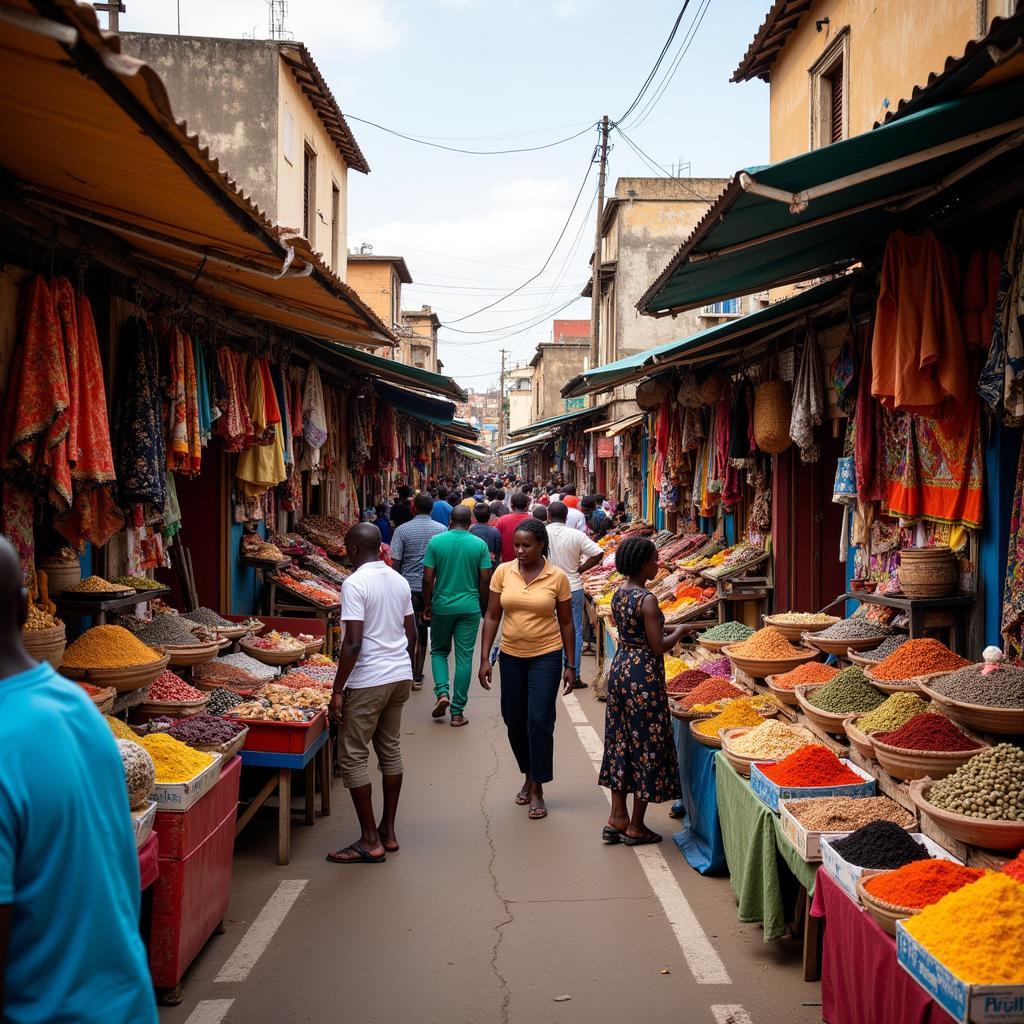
462 630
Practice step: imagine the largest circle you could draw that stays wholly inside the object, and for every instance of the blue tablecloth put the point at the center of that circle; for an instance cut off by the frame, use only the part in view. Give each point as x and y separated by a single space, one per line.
701 837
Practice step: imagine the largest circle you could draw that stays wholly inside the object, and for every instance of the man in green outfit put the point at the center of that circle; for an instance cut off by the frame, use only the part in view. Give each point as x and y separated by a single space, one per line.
456 575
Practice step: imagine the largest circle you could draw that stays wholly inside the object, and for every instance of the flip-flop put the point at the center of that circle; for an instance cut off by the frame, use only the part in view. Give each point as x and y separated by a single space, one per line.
522 799
417 686
538 813
364 856
647 840
458 721
440 707
611 835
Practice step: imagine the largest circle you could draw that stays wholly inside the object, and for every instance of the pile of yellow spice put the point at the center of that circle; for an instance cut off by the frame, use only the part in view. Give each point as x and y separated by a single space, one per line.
108 647
736 713
175 761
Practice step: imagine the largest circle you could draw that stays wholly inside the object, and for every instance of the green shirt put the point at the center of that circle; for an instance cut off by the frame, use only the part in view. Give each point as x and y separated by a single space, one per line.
457 558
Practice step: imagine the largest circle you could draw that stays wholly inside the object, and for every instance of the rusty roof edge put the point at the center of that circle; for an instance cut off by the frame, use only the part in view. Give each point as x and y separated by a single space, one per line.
746 69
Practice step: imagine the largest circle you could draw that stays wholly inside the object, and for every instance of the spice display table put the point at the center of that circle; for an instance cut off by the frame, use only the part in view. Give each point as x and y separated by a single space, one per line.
856 948
73 606
315 758
764 868
700 839
925 613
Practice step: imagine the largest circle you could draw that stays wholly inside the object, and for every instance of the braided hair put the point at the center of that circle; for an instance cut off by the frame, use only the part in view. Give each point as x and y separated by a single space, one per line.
633 554
537 529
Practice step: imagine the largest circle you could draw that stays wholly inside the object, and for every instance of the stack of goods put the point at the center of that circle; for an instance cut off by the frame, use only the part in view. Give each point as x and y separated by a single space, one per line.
107 647
325 531
300 681
734 560
326 568
766 645
169 688
929 732
771 739
847 813
712 689
918 658
744 711
140 774
275 641
886 647
38 619
727 633
808 674
857 628
290 543
892 713
318 593
976 932
990 785
222 700
1001 688
202 730
679 547
684 598
880 844
849 691
96 585
920 883
811 766
207 617
685 681
175 761
300 697
256 548
1015 868
137 582
701 557
720 666
169 631
263 711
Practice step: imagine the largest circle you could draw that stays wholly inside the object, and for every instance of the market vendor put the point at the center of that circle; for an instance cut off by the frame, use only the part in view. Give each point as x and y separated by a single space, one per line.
70 947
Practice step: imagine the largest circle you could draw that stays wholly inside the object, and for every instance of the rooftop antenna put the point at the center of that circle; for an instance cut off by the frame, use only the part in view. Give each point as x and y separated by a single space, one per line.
278 15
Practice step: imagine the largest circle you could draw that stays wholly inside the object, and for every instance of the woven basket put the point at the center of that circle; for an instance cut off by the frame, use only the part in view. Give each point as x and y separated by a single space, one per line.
773 409
885 914
172 709
650 394
928 572
60 574
46 644
269 657
711 389
104 700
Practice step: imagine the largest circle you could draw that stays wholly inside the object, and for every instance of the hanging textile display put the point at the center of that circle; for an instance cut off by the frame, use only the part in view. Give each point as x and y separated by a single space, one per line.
1012 620
204 408
261 466
234 424
808 401
314 422
184 444
869 441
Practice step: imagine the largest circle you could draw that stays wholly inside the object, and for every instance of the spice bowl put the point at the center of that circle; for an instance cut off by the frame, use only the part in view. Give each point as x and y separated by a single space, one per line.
193 654
741 762
885 914
273 657
714 741
715 646
124 680
758 668
859 740
170 709
782 693
313 647
984 832
910 685
908 765
233 632
793 631
1004 721
825 720
841 647
859 660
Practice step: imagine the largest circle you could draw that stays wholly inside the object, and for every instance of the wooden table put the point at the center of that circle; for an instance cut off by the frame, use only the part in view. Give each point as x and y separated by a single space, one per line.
74 606
924 612
313 760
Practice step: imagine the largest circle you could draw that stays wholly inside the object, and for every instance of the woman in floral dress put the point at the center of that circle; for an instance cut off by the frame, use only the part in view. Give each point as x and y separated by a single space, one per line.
639 751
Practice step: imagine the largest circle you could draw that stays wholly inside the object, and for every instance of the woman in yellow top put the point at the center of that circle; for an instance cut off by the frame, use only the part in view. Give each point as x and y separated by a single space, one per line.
535 599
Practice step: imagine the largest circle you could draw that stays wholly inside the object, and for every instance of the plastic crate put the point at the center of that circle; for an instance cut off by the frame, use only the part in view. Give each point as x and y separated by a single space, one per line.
284 737
771 793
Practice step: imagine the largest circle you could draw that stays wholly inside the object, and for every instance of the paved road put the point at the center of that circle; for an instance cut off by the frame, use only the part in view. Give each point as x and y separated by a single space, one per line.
486 917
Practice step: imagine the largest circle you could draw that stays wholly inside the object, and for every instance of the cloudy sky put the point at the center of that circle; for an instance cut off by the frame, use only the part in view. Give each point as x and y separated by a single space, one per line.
506 74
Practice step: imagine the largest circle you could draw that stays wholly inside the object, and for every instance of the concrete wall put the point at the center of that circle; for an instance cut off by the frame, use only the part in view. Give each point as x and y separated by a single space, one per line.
376 281
424 339
892 47
227 91
559 362
520 402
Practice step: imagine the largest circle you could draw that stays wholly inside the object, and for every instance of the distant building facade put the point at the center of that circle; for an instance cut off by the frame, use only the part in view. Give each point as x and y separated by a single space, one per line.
419 327
379 280
567 355
519 394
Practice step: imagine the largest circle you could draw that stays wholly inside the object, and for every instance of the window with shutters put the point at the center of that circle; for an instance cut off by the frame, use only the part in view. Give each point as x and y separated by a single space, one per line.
829 93
335 224
309 193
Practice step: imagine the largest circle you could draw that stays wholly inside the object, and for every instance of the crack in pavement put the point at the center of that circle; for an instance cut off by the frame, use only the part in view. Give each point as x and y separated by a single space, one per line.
580 899
506 991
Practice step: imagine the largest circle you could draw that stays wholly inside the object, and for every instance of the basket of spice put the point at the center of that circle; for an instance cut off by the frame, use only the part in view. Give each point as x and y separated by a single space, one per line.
982 802
804 821
991 701
312 643
895 711
854 634
175 634
891 896
110 655
793 625
704 693
170 695
829 705
765 743
766 653
715 638
212 620
913 663
102 696
44 636
62 569
748 711
859 740
812 672
928 745
98 588
274 648
209 733
237 672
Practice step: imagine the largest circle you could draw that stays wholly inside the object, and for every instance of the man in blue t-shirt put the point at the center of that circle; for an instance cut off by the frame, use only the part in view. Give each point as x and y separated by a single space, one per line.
70 947
442 510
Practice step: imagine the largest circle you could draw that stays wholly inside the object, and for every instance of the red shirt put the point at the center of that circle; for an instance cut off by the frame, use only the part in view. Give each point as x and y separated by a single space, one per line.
507 526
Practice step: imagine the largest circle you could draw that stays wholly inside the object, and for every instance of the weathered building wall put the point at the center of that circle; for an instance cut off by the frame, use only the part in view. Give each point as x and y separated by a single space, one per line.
375 283
558 362
227 91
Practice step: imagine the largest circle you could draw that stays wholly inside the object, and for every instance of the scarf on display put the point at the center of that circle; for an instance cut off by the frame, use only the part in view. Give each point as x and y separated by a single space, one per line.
1012 624
234 424
184 443
204 408
808 402
262 465
314 415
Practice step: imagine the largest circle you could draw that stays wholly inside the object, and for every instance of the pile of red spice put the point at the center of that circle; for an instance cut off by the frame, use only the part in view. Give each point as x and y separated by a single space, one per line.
1015 869
90 689
297 680
710 690
918 658
686 680
928 731
810 766
921 882
169 688
809 672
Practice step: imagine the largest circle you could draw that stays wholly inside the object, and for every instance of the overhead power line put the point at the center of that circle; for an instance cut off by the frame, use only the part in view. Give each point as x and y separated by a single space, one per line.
511 334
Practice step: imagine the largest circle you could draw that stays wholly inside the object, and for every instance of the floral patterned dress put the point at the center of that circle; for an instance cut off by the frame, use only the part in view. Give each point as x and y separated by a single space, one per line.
639 752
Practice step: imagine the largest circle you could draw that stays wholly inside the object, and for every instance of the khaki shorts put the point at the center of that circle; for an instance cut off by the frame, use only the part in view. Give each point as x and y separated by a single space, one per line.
372 714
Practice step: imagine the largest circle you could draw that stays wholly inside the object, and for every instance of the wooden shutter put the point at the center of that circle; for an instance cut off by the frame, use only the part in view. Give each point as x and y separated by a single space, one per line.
835 113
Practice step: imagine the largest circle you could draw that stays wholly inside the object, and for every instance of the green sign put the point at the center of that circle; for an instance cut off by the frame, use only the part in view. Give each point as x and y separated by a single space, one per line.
572 404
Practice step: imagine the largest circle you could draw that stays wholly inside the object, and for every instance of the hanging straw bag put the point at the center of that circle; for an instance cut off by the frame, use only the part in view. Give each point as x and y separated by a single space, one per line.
650 394
773 409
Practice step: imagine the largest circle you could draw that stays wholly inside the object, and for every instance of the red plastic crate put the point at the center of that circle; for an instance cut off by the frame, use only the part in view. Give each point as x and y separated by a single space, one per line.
181 832
284 737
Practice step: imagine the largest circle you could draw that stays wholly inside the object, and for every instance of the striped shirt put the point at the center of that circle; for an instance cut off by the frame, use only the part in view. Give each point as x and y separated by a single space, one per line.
409 544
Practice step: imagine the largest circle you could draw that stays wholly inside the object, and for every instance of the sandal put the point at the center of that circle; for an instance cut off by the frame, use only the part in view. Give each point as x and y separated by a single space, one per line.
363 856
522 798
646 840
537 813
611 835
440 707
459 720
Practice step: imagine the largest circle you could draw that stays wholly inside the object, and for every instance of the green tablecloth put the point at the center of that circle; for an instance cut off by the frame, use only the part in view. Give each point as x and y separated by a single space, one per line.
756 852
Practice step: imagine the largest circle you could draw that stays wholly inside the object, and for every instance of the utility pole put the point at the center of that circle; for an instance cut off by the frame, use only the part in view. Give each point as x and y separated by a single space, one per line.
501 400
595 295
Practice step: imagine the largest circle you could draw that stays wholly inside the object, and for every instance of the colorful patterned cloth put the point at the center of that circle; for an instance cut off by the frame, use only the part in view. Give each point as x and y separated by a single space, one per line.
1013 588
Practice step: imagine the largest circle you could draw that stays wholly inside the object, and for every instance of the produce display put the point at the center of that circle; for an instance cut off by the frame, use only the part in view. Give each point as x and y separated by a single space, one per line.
169 688
848 691
977 932
169 631
251 623
990 785
96 585
107 647
120 730
326 568
275 641
222 700
321 674
207 617
772 739
847 813
880 844
713 688
809 673
743 711
727 632
300 680
721 667
920 883
202 730
886 647
239 667
732 560
686 680
811 766
139 772
857 628
303 697
264 711
325 531
254 546
801 619
766 645
175 761
918 658
928 731
1001 688
895 711
39 619
317 593
137 582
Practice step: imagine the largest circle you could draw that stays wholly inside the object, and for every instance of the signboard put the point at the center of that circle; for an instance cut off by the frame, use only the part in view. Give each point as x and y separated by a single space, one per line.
605 448
573 404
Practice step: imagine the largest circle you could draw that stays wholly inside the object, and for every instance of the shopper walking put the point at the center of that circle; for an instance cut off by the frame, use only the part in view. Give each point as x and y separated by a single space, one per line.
574 553
456 572
507 525
372 684
401 508
533 600
442 511
70 947
483 529
639 752
408 546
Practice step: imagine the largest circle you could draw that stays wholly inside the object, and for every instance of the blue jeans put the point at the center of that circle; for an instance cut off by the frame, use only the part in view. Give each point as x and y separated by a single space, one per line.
578 603
529 689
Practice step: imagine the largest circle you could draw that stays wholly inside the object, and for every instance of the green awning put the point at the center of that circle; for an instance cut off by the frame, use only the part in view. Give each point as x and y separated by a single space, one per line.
558 421
827 209
719 340
522 446
471 452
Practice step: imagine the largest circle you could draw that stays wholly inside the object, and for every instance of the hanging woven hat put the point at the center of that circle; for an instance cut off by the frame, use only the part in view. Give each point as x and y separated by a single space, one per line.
773 410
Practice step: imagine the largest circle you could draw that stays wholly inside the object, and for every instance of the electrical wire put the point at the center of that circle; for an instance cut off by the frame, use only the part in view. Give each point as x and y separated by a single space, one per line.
512 334
658 170
501 138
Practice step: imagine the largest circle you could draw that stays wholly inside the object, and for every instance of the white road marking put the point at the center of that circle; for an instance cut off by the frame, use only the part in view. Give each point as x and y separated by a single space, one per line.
576 713
730 1013
705 964
210 1011
261 931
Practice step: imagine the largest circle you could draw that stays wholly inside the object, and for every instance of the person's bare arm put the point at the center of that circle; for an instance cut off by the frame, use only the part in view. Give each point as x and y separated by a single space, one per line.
484 583
491 621
410 636
565 626
661 640
429 576
351 645
589 563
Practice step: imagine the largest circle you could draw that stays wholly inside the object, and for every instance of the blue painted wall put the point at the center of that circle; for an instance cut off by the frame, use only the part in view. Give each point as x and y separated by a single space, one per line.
245 590
1001 453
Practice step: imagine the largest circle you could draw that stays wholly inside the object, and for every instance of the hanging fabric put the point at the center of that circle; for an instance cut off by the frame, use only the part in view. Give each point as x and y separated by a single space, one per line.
808 402
1012 624
869 445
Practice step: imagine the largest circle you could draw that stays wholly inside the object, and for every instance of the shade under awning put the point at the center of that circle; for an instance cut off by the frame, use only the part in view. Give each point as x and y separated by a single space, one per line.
557 421
824 210
521 446
470 452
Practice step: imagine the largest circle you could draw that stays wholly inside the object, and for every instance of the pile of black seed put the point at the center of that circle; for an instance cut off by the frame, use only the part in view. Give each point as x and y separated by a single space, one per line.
880 844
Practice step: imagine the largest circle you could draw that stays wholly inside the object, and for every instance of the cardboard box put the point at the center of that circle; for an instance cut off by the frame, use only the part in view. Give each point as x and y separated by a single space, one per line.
804 841
771 793
179 796
847 874
977 1004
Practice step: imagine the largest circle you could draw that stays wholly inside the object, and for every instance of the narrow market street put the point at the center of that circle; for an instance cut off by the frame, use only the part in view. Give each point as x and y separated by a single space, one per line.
485 916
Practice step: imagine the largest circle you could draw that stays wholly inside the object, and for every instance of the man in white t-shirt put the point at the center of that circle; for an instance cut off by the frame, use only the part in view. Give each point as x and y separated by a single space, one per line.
373 683
574 553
